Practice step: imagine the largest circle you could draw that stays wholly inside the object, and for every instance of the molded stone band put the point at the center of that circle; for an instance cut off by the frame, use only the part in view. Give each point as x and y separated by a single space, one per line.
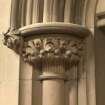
52 76
54 28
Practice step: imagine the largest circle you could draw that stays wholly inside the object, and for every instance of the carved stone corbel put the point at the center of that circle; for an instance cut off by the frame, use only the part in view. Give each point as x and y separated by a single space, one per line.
12 40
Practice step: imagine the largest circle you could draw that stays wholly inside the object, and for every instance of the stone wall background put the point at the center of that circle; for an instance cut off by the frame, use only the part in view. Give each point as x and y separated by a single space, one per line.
101 6
100 58
9 62
100 67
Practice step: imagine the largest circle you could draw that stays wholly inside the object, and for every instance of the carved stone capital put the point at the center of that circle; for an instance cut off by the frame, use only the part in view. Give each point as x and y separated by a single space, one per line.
52 48
51 43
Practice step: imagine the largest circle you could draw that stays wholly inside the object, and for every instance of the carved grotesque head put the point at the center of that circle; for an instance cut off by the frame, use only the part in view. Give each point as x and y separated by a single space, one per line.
37 43
48 45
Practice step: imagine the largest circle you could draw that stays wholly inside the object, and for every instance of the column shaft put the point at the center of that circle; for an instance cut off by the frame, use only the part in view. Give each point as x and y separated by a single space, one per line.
53 11
53 82
25 85
53 92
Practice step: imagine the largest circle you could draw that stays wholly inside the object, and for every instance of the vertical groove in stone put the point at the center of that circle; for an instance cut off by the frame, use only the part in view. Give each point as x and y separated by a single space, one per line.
53 10
82 9
84 12
19 13
47 14
73 7
29 11
68 11
74 11
14 14
58 10
53 66
23 13
78 11
37 15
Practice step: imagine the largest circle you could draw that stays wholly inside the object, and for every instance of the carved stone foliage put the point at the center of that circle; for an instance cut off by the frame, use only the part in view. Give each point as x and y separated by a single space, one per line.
11 40
52 47
44 47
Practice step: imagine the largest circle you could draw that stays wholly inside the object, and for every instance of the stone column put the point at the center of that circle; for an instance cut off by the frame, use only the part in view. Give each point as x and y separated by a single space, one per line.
53 50
53 82
53 92
55 56
44 36
25 84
